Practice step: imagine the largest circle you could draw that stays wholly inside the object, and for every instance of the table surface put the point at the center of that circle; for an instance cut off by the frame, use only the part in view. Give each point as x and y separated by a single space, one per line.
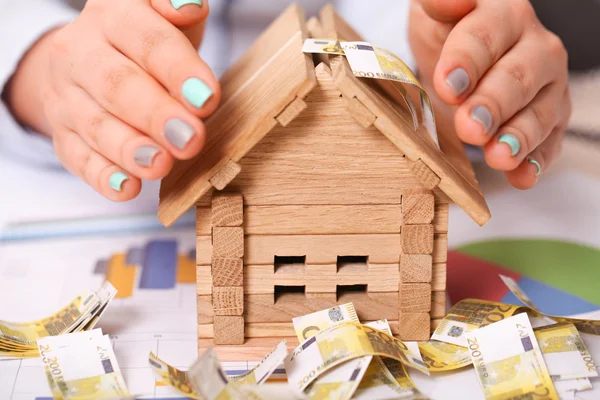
48 253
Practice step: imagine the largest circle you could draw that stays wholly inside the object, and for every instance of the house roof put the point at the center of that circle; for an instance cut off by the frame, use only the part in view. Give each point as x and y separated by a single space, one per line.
269 80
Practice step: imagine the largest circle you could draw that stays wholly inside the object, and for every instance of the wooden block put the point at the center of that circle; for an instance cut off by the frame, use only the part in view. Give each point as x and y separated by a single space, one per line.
415 297
204 280
438 304
329 296
415 268
417 239
435 323
253 349
227 272
438 279
414 326
228 242
382 278
425 175
372 306
205 309
228 329
203 221
359 112
314 27
205 331
418 208
227 209
204 250
440 248
322 219
322 249
291 112
228 300
225 175
440 220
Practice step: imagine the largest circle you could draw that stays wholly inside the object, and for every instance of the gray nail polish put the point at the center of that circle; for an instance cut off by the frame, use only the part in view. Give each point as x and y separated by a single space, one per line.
458 80
482 115
144 155
178 132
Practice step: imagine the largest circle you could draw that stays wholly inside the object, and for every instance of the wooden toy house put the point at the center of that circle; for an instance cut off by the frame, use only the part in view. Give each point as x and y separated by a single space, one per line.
314 189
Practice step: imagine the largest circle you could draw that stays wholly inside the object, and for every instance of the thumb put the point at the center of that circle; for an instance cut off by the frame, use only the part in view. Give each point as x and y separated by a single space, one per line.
448 11
182 13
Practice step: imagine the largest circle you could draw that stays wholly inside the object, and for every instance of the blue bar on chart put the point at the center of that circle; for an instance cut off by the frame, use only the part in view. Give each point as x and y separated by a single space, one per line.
159 269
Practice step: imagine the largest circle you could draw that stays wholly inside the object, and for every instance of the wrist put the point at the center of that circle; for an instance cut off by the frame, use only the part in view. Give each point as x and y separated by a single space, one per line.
23 92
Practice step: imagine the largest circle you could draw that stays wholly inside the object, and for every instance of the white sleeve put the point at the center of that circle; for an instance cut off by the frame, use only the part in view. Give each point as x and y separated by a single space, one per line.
22 23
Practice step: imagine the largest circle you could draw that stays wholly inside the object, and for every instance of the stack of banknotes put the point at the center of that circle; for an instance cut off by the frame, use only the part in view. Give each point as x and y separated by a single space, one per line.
18 340
340 358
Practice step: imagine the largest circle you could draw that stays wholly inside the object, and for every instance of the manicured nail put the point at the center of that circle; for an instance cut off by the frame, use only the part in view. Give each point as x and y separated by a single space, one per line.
144 155
116 180
482 115
180 3
512 141
196 92
458 80
537 164
178 132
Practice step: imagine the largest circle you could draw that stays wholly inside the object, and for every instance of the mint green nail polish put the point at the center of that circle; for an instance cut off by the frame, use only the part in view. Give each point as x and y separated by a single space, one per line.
196 92
116 181
512 141
180 3
537 164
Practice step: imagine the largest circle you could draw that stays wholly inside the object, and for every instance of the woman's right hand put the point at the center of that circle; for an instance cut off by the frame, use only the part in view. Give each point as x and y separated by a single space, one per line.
121 91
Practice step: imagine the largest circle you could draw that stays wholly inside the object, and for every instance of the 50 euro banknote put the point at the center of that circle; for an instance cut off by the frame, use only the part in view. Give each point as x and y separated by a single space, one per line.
508 361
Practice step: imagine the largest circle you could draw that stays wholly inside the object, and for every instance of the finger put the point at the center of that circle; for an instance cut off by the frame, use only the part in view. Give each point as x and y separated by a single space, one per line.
168 56
102 175
507 88
527 174
129 93
473 46
527 129
182 13
447 10
133 151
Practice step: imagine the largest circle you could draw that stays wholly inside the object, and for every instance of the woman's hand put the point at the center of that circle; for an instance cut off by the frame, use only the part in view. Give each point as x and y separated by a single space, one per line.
120 91
504 75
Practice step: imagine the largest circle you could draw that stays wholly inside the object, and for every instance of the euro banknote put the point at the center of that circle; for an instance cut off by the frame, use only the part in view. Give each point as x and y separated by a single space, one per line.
307 325
368 61
508 361
18 340
441 356
176 378
265 368
591 327
565 353
342 381
82 366
568 388
470 314
342 342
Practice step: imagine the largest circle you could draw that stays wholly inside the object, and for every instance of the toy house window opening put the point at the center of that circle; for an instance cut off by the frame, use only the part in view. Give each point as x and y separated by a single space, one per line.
284 292
342 290
352 264
289 264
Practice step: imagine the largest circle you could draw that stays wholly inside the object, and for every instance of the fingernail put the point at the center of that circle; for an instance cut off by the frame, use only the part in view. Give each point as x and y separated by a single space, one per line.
116 180
512 141
180 3
178 132
144 155
537 164
482 115
196 92
458 80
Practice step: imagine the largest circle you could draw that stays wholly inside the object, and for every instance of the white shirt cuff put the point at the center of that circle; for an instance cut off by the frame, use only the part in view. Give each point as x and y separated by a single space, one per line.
21 25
